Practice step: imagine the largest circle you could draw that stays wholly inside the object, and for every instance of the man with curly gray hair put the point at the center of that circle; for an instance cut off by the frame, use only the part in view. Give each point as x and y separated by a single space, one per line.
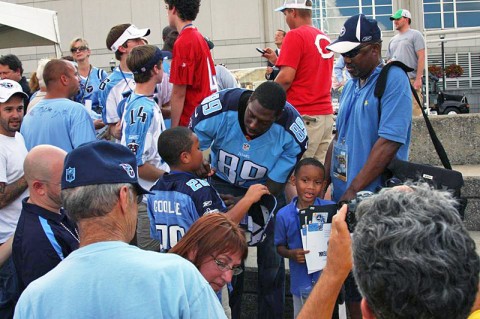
413 256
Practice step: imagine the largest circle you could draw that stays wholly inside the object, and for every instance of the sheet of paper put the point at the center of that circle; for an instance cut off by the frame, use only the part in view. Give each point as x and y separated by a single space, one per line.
316 228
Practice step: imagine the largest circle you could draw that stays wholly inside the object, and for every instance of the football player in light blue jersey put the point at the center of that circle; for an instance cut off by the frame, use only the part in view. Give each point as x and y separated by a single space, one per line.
254 137
251 143
119 84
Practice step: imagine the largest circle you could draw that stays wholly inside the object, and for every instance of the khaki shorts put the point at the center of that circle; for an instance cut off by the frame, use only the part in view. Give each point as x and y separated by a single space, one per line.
416 111
144 241
319 130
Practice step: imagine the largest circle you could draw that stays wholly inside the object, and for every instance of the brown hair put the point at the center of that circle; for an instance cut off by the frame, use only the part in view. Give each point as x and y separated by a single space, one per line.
212 234
140 57
113 35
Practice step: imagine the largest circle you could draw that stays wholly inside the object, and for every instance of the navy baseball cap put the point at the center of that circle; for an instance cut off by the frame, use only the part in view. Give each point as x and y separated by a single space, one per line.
356 30
101 162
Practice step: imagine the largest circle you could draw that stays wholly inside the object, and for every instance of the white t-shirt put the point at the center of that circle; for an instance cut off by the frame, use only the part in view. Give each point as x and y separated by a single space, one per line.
12 155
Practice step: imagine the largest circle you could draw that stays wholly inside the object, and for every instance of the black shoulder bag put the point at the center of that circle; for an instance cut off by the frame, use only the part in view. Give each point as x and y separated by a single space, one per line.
403 171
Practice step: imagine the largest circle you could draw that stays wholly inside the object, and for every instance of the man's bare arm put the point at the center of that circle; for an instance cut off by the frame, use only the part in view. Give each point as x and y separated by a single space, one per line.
382 153
10 192
328 164
177 102
286 76
149 172
420 68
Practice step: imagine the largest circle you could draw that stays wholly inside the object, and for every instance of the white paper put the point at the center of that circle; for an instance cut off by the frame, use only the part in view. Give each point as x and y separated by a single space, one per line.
315 239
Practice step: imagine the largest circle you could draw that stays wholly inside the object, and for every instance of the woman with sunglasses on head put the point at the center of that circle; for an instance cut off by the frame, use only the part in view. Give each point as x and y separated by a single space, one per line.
90 76
216 246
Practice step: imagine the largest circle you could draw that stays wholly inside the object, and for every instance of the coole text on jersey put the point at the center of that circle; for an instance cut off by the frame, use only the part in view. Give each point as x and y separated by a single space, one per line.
167 207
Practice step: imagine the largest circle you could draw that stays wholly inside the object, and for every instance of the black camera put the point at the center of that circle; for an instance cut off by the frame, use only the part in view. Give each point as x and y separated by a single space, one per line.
352 205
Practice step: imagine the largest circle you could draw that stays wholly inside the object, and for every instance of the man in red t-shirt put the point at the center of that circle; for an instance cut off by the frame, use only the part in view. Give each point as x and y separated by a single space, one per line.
192 72
306 74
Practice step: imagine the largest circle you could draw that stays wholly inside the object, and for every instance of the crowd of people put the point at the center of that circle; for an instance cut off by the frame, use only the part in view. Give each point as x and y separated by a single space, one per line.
109 207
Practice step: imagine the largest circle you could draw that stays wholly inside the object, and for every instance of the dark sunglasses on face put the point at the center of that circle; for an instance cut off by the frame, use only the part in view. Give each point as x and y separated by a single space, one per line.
353 53
75 49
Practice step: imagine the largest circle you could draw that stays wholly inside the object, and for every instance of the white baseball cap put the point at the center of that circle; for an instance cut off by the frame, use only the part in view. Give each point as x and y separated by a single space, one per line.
132 32
8 88
295 4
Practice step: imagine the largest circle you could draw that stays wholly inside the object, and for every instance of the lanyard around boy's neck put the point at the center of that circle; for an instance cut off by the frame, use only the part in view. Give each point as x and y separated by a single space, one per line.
125 79
190 25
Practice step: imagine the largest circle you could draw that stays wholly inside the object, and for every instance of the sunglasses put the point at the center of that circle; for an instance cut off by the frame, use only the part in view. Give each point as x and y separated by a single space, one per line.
82 48
353 53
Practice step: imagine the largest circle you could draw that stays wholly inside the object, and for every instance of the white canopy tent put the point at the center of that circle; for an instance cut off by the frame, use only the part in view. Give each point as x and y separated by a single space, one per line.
23 26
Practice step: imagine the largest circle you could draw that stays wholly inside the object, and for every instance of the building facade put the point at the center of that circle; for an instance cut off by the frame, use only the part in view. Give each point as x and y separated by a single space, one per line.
238 27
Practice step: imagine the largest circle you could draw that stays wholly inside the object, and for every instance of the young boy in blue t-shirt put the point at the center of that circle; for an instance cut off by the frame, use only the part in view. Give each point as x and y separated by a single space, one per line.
309 180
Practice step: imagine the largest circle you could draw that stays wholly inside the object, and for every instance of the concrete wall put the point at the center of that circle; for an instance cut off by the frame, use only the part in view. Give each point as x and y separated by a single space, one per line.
459 134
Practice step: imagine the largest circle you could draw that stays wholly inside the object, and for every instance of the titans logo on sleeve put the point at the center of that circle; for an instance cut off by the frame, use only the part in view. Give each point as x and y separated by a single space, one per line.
244 162
178 200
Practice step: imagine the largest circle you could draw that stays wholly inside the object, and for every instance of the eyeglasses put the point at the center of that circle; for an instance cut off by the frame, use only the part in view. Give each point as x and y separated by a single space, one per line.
82 48
353 53
237 270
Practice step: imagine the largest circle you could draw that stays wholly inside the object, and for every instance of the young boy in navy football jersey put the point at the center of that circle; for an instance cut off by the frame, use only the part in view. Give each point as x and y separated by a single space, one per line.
181 197
309 181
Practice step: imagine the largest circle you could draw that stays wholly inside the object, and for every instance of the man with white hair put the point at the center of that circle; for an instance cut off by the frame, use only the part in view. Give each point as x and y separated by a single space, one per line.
40 94
106 277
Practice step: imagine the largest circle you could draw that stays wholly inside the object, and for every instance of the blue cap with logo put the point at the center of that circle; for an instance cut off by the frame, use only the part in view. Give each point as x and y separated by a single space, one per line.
356 30
101 162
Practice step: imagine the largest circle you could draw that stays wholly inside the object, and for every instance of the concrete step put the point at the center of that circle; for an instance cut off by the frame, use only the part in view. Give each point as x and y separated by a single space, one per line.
471 191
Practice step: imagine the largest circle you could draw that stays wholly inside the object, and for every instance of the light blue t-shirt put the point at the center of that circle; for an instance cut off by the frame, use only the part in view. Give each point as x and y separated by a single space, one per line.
359 128
116 280
59 122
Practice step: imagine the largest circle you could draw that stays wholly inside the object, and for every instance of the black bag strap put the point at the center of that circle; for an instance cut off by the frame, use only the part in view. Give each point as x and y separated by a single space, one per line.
380 89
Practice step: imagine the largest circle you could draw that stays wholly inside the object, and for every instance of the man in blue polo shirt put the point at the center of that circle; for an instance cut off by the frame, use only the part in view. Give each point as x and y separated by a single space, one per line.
368 135
44 235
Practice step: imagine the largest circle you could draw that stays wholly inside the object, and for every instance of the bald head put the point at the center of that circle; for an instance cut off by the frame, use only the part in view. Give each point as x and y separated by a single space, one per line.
42 162
43 169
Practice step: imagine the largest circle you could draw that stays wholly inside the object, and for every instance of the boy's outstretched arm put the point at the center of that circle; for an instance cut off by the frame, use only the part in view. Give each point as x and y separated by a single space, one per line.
253 195
297 255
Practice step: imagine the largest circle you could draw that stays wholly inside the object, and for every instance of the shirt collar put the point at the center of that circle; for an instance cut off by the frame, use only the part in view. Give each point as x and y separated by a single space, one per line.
40 211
